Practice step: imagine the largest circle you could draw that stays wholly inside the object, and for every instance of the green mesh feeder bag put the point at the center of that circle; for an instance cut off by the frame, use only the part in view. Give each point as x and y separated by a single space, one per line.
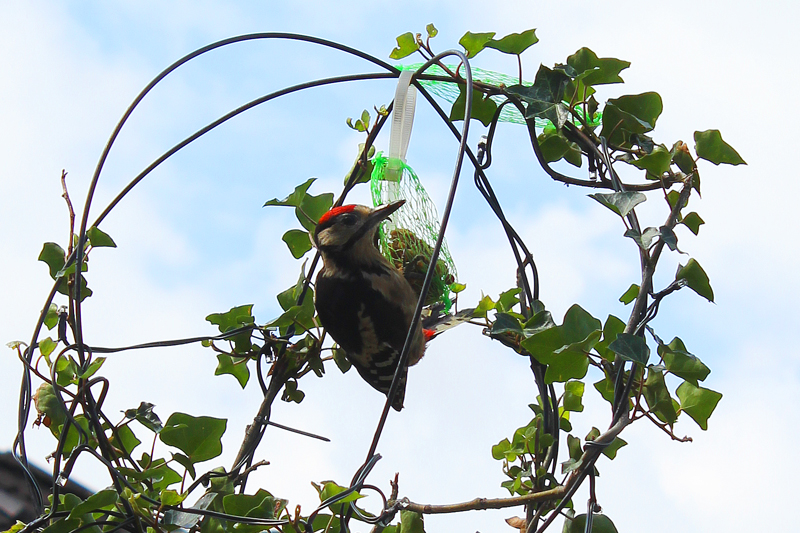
408 239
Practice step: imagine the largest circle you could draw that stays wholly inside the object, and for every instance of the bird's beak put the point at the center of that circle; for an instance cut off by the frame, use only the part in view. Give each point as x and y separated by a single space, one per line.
380 214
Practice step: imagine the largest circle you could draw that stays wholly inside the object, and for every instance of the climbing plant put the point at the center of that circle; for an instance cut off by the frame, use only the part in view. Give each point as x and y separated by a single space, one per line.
643 376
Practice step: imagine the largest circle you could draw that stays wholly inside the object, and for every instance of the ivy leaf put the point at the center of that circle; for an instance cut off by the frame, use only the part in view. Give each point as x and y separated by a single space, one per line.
237 368
100 239
294 199
710 146
406 45
200 438
555 146
145 415
308 208
630 295
644 239
683 158
682 363
341 360
432 31
483 107
613 327
506 323
657 396
655 163
698 402
693 222
573 392
610 451
630 114
514 43
696 278
411 522
236 317
600 524
105 499
298 241
631 348
54 256
51 318
620 202
593 70
473 43
544 98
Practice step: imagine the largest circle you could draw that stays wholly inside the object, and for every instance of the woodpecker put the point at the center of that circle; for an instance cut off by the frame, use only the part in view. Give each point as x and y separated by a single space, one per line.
362 300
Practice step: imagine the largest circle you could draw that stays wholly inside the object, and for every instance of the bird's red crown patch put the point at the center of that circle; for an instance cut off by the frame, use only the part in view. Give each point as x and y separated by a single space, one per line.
335 212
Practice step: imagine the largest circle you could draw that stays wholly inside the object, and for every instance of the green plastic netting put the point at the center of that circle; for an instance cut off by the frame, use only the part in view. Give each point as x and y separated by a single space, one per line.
449 91
407 240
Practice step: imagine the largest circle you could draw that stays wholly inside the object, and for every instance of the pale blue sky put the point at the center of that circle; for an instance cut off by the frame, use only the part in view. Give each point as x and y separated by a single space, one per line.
193 238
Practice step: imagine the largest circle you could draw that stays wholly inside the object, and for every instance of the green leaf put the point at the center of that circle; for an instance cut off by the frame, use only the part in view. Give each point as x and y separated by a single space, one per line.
99 239
596 71
62 526
610 451
658 398
655 163
555 146
46 346
341 360
630 295
294 199
514 43
600 524
483 107
696 279
124 440
644 239
564 348
308 208
506 323
105 499
145 415
574 447
51 318
606 389
298 241
682 363
710 146
198 437
500 449
171 497
620 202
54 256
698 402
291 393
573 392
631 348
91 369
312 208
473 43
184 462
683 158
693 222
411 522
630 114
432 31
613 327
485 305
237 368
235 318
406 45
544 98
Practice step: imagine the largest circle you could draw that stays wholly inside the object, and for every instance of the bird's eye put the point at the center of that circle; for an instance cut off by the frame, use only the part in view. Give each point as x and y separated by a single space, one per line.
349 219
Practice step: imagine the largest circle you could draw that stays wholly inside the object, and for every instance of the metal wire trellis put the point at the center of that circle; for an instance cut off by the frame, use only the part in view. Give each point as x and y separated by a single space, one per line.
529 288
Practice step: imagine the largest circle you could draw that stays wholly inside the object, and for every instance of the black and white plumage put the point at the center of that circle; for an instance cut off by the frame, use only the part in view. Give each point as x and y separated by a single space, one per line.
362 300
